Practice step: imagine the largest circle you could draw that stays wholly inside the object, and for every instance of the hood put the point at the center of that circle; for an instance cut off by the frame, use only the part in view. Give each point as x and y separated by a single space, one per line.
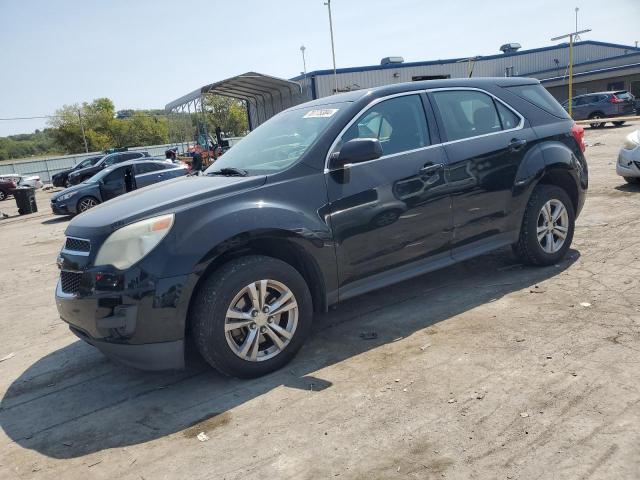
163 197
75 173
73 188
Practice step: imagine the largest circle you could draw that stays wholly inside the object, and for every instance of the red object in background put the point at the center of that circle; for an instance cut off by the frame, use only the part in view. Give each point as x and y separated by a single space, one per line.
578 133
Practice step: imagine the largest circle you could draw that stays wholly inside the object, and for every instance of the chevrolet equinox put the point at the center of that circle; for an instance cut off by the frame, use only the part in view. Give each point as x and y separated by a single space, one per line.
326 200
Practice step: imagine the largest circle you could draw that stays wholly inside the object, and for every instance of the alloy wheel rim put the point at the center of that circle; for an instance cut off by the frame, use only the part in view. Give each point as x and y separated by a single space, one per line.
552 226
261 320
86 204
2 195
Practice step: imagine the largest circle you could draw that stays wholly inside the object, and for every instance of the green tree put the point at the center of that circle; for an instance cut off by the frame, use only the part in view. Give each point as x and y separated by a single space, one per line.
227 113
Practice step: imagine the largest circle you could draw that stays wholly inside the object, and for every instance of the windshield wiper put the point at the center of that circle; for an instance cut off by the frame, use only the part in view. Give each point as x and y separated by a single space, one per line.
230 172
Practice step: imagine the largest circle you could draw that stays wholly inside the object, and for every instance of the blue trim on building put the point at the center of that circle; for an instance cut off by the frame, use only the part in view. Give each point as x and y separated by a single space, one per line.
592 72
454 60
590 62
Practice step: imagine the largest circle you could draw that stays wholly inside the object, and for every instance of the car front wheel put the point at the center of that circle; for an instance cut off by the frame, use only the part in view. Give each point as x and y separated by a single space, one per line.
251 316
632 180
86 203
547 227
3 195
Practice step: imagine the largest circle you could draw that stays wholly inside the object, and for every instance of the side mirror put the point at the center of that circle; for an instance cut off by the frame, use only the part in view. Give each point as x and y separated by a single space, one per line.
357 150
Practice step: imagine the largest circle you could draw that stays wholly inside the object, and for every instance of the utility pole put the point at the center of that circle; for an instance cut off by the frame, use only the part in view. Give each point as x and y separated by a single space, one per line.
333 50
86 148
572 37
304 63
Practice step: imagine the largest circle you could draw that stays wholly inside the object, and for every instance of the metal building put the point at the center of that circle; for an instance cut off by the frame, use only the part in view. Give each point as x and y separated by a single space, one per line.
597 66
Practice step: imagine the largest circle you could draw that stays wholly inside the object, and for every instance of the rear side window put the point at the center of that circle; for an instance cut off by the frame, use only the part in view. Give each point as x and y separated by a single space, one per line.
146 167
624 95
467 113
541 98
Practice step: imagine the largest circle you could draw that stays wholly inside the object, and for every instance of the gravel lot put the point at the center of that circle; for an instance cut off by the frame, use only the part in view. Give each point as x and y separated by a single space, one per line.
484 370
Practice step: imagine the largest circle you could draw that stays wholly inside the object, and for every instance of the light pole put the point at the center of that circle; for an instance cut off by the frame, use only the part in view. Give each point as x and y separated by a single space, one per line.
571 36
304 63
333 50
86 148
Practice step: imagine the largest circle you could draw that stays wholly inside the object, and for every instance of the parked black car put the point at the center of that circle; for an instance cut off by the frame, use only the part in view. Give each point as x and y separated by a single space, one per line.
280 226
106 161
112 182
600 105
61 179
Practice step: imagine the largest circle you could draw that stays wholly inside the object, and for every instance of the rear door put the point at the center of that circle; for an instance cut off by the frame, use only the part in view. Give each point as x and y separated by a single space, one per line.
391 211
148 173
485 143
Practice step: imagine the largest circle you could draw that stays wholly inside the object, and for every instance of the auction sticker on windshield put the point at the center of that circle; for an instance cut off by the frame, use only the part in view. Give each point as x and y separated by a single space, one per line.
324 113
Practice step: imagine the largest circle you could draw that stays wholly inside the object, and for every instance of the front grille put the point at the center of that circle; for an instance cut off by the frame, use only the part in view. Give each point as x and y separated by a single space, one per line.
70 281
77 244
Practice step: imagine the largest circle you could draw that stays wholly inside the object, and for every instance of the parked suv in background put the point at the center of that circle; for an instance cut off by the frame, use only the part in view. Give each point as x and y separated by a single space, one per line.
596 106
61 179
112 182
106 161
286 222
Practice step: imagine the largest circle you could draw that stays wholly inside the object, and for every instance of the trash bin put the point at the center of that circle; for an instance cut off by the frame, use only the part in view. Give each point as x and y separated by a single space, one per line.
25 200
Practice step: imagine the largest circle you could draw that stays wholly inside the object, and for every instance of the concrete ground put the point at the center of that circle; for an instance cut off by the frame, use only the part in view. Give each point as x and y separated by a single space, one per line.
487 369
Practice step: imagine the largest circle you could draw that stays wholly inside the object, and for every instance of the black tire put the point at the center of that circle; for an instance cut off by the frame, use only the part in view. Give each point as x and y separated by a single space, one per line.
528 247
3 195
80 207
214 297
632 180
619 124
597 116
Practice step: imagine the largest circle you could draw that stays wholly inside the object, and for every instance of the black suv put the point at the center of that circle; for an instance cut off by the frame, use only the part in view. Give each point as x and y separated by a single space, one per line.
325 201
82 174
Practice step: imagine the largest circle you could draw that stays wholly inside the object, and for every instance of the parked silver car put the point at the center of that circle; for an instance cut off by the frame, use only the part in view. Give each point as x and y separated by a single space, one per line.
628 164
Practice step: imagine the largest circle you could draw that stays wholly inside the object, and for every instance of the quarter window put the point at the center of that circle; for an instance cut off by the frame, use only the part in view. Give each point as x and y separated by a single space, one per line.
467 113
398 123
507 117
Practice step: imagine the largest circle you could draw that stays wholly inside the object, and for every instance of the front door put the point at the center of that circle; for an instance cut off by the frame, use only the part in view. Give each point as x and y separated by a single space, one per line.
486 142
113 184
394 210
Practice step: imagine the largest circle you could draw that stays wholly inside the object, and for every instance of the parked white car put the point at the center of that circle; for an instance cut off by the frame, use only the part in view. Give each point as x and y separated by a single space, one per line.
23 180
628 165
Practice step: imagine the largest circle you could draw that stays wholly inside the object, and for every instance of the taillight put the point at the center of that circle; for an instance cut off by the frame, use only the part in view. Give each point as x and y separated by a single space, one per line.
615 99
13 184
578 133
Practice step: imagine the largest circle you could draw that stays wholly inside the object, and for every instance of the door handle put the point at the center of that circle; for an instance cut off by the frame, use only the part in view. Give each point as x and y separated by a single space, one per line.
431 168
517 144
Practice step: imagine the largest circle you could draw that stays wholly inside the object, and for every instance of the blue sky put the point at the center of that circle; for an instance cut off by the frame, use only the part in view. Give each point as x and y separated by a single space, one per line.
144 53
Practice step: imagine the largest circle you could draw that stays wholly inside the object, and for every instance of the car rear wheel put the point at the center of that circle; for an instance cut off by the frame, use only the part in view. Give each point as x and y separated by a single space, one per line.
3 195
632 180
86 203
547 227
251 316
596 116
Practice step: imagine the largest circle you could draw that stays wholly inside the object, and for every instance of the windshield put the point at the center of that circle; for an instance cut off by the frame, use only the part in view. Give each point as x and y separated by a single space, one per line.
280 142
88 162
100 175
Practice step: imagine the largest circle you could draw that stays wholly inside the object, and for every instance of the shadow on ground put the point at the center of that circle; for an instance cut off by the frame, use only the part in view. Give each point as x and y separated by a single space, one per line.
74 401
629 187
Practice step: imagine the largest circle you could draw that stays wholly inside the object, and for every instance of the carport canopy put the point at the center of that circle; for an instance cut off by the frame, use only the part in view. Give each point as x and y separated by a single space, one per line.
264 95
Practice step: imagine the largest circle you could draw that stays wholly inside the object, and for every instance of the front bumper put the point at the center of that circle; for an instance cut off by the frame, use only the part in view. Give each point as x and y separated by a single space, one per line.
628 164
62 209
135 320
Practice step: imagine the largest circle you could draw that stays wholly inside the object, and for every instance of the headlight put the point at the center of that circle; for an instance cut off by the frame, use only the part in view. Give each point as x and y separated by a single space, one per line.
132 243
632 141
67 196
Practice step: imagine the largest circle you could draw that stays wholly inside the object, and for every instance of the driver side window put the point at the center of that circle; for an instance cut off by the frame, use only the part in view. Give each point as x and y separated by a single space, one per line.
398 123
